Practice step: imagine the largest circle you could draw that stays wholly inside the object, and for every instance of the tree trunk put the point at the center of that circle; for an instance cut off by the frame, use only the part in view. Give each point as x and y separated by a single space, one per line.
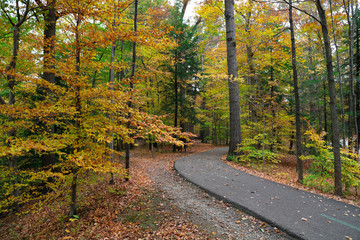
357 72
299 164
73 195
332 94
203 130
50 19
78 114
111 81
251 79
176 91
12 133
234 103
11 84
352 98
133 67
325 110
340 77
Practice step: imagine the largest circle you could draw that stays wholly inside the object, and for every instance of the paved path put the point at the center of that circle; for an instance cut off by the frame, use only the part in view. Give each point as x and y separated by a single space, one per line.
299 213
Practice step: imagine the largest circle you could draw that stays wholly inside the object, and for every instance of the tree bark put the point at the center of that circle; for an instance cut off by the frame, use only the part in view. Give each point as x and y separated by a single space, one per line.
133 67
299 165
203 130
332 94
176 91
325 110
50 19
73 195
352 97
78 114
234 101
111 82
340 77
251 78
357 71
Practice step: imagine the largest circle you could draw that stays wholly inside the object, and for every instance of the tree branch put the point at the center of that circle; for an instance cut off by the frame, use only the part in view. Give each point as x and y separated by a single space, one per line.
7 15
41 5
304 11
22 20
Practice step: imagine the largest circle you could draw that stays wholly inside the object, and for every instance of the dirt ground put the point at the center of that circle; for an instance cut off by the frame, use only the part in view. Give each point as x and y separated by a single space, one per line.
215 217
155 204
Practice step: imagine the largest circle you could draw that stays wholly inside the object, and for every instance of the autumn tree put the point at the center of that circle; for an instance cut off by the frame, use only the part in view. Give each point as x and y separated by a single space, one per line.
332 93
234 102
299 166
16 14
182 88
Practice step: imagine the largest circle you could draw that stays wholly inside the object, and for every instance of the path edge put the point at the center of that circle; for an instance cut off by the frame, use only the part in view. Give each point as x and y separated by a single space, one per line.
236 205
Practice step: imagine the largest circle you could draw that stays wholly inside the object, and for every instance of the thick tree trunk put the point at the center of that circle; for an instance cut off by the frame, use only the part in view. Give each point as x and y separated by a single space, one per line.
234 102
332 94
50 19
299 165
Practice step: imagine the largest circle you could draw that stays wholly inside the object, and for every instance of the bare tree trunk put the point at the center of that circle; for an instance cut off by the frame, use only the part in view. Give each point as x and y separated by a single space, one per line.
332 93
299 165
111 81
133 67
251 78
357 71
340 77
352 97
176 91
234 102
203 130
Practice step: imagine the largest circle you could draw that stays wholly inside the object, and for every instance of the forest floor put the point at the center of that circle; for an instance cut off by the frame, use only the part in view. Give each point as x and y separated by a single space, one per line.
155 204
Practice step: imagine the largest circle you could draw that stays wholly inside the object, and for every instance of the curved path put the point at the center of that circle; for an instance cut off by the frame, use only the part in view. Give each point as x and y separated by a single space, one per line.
301 214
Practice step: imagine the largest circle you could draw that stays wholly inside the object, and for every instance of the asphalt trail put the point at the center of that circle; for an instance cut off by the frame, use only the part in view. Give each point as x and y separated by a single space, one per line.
301 214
